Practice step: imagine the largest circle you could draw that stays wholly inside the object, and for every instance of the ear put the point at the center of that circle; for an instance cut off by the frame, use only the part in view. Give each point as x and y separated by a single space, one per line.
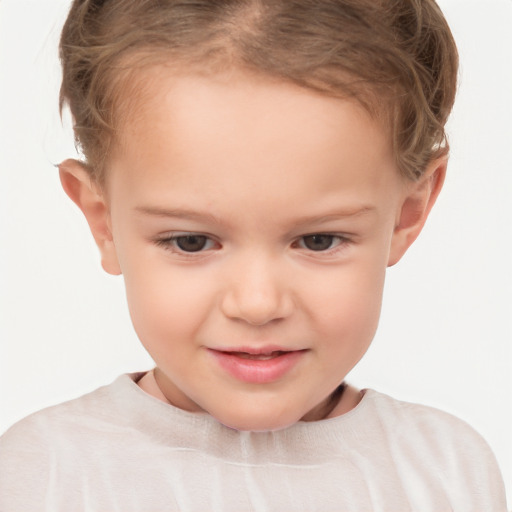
418 201
87 194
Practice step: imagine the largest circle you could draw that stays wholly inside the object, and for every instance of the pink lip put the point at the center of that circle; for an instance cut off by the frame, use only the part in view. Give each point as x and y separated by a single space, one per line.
257 371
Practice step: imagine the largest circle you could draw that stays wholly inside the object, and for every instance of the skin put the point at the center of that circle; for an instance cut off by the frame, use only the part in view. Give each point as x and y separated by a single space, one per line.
256 167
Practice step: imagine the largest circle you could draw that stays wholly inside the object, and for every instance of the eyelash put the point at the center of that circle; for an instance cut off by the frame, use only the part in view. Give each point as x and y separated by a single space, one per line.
170 243
340 242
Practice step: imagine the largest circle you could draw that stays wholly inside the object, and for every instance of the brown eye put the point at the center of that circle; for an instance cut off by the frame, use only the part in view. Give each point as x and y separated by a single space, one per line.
191 243
318 242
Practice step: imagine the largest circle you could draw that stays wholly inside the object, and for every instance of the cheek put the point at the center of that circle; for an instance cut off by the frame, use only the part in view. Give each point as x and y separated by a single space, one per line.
165 304
350 309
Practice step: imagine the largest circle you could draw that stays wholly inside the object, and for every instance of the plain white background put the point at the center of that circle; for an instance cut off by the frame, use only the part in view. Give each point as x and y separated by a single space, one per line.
445 335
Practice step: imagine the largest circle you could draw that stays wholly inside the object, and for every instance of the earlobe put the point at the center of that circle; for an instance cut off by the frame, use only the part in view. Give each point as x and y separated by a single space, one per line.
415 208
87 195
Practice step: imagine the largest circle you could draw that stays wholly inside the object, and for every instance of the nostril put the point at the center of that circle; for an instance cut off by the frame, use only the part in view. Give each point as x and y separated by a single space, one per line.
256 290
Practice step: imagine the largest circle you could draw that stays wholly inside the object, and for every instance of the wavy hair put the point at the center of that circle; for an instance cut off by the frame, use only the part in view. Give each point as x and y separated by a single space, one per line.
396 57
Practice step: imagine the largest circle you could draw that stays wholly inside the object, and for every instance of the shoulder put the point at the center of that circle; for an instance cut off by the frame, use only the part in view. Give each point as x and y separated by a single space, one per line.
430 439
52 428
424 421
56 441
439 430
70 416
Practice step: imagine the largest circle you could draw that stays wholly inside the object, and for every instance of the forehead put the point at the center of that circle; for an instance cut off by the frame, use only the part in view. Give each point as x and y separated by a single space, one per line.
236 130
162 95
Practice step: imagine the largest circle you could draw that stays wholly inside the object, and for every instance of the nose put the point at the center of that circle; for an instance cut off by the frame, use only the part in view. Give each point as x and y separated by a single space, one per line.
257 291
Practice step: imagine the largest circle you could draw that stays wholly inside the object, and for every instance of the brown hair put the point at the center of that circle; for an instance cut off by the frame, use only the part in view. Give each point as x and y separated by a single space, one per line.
396 57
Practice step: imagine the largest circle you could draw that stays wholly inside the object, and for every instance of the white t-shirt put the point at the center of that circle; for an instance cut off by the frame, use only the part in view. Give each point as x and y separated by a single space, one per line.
119 449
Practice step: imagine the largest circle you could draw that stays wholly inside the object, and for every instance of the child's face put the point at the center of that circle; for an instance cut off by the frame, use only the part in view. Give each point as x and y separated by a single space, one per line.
253 222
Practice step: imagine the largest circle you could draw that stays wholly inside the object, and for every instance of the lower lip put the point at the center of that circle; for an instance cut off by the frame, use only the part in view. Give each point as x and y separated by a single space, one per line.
256 371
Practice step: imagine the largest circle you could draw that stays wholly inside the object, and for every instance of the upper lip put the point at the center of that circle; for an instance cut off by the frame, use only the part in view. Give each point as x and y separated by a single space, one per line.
263 350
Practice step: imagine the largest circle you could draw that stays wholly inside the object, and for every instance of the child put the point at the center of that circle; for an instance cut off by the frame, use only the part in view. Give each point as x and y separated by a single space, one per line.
252 168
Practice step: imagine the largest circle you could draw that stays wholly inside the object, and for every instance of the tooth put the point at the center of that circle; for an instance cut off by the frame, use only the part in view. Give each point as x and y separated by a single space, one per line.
259 357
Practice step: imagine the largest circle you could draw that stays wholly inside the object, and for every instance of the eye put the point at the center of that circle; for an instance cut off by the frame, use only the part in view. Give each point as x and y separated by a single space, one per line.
320 242
188 243
191 243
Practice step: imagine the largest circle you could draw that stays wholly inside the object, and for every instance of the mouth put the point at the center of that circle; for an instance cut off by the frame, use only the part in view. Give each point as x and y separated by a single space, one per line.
259 357
257 366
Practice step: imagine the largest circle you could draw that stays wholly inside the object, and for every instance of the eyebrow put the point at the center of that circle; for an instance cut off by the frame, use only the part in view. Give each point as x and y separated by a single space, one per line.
208 217
178 214
338 215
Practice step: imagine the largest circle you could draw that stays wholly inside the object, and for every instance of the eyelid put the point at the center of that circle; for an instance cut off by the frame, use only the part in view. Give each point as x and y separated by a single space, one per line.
167 241
344 240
